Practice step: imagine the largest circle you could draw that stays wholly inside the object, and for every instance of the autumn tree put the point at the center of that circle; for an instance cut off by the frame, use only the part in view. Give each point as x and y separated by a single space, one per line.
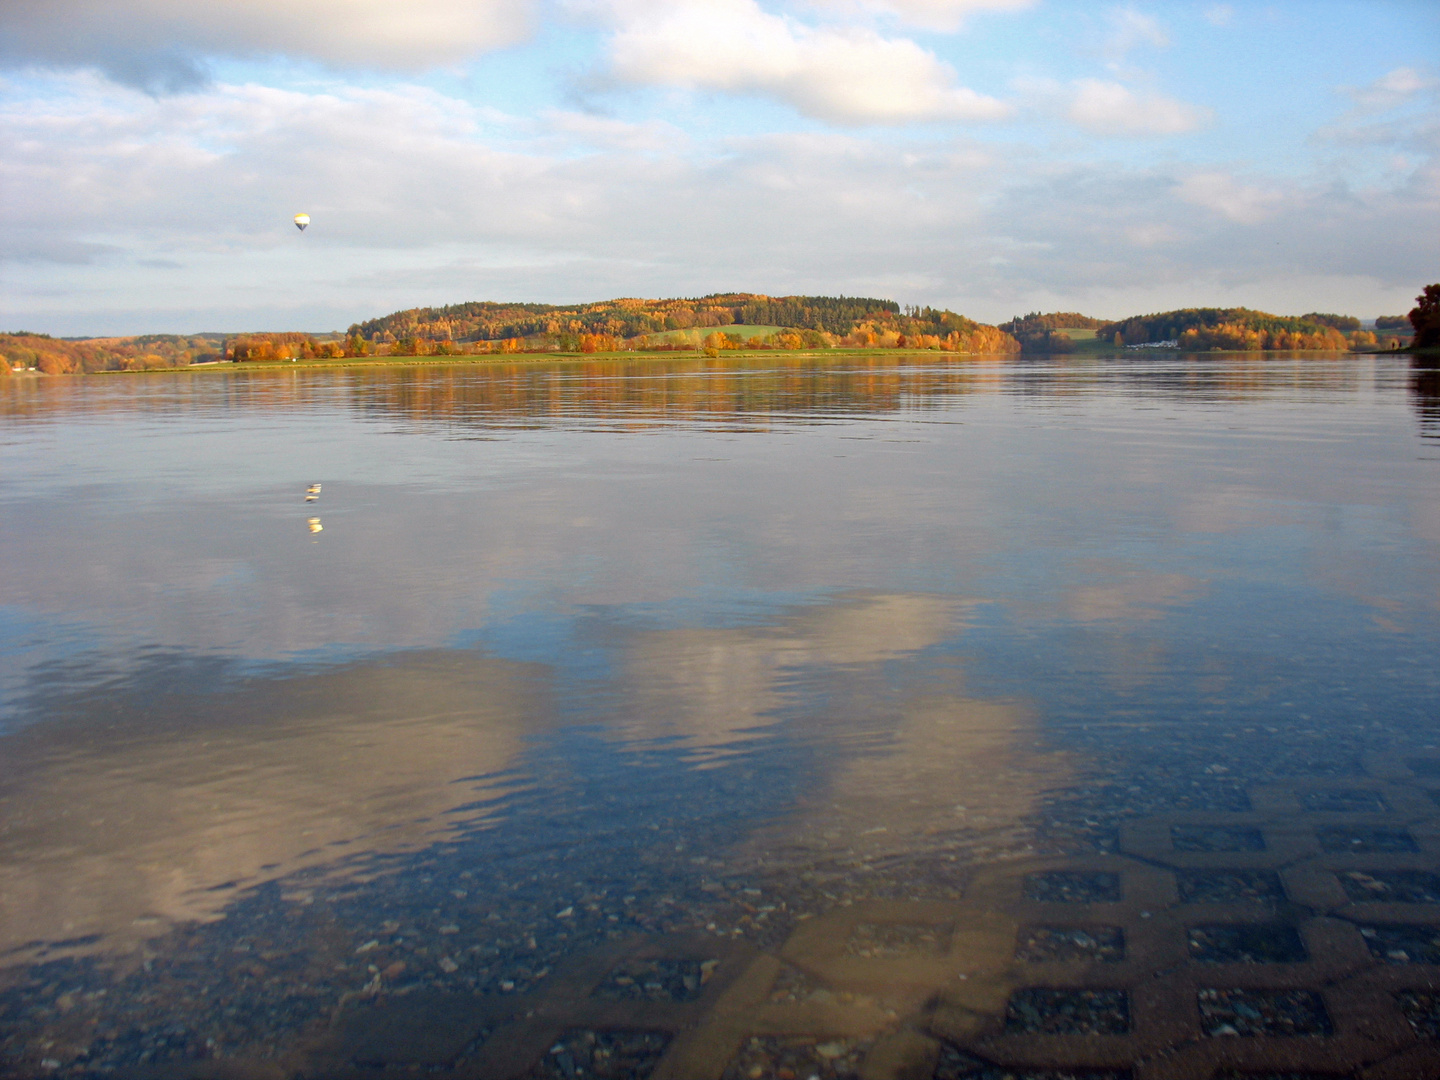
1425 318
1343 323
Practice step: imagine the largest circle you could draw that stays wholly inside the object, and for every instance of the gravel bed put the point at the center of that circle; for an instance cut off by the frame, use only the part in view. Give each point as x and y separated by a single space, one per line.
1345 801
1403 944
1365 840
656 980
489 912
586 1054
895 941
1216 838
1073 887
1228 886
1057 944
1246 943
1263 1012
1039 1010
1422 1009
1392 886
778 1057
956 1064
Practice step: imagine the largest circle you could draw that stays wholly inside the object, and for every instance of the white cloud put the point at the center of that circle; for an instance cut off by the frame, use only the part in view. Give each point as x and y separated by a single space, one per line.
1391 89
1132 29
1246 204
846 76
420 198
1108 108
941 15
608 133
162 44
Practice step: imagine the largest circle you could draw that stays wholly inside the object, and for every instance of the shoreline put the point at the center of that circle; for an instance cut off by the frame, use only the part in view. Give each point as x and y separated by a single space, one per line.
312 364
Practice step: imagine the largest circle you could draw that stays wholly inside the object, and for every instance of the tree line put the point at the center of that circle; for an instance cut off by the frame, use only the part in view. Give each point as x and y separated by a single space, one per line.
1240 329
630 318
57 356
804 322
698 324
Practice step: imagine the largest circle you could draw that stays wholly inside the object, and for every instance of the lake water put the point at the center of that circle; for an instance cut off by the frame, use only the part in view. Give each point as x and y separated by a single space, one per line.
883 717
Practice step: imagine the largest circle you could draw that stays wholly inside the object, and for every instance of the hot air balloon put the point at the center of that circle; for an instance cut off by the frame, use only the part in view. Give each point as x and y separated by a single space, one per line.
301 220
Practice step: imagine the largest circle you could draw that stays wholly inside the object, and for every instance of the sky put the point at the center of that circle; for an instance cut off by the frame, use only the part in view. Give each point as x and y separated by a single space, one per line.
989 156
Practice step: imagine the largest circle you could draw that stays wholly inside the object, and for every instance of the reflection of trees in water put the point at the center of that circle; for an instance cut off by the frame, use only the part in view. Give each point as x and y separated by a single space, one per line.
1230 377
646 391
1425 394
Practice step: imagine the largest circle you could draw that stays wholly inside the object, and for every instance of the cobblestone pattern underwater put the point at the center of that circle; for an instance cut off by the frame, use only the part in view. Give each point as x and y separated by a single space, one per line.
1181 955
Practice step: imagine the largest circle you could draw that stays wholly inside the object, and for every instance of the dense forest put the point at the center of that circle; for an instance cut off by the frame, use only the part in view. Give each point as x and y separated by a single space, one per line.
626 318
803 322
1037 323
1231 329
55 356
1042 333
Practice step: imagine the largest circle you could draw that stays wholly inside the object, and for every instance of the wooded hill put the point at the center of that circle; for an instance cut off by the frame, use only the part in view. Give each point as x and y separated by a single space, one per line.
55 356
1232 329
1039 333
687 325
807 322
626 318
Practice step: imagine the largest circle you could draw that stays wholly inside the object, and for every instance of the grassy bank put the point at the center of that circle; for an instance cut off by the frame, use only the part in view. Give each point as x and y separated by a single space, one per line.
1086 348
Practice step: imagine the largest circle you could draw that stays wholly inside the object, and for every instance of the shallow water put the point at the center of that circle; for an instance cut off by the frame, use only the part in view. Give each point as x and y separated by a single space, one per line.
701 718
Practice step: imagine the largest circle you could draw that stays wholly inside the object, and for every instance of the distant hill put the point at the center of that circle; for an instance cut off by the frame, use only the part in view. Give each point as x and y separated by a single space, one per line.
805 322
1231 329
1043 333
61 356
711 323
627 318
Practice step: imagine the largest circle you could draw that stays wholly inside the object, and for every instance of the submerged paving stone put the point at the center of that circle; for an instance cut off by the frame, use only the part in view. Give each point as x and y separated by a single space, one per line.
586 1054
956 1064
1422 1009
895 941
779 1057
1216 838
1073 887
1403 944
793 986
1056 944
419 1030
1263 1012
1041 1010
1391 886
1344 801
1365 841
656 980
1246 943
1228 886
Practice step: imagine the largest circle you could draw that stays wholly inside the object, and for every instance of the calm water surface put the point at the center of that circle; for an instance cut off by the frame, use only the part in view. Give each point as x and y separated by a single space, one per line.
696 718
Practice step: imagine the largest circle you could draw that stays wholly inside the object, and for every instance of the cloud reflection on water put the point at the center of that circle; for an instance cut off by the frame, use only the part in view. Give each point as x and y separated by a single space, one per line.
126 811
